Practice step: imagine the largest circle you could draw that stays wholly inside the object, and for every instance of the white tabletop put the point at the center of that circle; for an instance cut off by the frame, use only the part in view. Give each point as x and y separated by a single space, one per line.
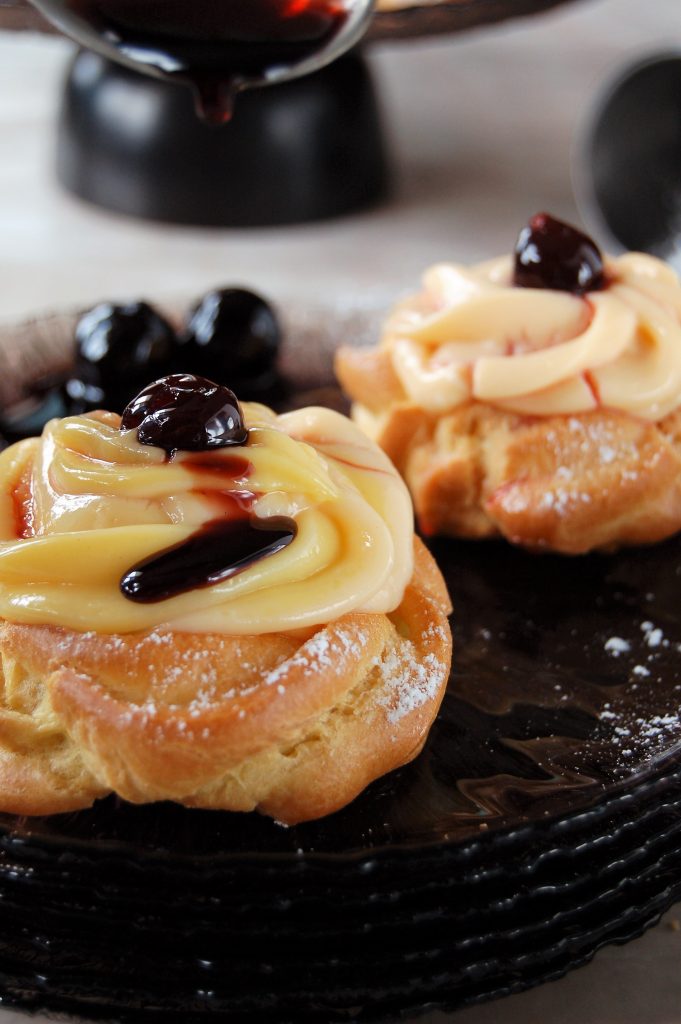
482 128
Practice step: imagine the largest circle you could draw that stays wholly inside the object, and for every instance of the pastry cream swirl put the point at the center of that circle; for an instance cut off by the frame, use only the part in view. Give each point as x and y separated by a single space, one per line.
472 335
85 502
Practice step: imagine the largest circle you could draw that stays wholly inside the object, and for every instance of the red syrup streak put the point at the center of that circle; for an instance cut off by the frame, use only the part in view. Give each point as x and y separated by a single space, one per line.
22 500
592 386
235 466
360 465
215 46
234 502
218 550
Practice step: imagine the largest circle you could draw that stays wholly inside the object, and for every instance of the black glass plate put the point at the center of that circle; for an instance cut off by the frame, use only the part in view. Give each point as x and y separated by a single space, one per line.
541 820
566 684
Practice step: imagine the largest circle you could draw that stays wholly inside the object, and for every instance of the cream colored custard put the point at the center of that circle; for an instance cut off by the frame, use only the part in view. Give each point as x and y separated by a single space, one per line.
85 502
472 335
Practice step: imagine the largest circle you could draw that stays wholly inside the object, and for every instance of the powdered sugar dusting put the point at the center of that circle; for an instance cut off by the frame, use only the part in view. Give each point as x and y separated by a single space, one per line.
641 715
327 650
616 645
651 733
410 679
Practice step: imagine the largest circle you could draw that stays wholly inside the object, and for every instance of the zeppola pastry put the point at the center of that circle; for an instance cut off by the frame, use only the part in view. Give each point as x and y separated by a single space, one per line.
210 604
537 398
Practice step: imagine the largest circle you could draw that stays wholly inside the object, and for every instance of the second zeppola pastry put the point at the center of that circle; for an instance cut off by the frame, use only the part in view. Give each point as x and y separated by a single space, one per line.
535 397
210 604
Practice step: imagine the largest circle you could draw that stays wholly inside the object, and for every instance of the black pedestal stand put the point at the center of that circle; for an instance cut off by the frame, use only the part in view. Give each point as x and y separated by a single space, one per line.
308 149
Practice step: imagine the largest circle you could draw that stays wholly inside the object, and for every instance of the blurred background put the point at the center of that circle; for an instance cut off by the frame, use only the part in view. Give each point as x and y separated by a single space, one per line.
481 128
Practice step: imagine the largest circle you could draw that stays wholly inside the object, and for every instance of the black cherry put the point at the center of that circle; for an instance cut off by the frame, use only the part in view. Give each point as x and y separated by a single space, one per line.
552 254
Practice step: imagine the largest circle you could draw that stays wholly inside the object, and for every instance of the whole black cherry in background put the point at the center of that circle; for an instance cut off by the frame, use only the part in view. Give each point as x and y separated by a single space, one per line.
233 335
119 349
552 254
215 46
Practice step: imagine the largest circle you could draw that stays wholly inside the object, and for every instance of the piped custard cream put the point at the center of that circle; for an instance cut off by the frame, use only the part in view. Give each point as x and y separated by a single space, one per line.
88 514
472 335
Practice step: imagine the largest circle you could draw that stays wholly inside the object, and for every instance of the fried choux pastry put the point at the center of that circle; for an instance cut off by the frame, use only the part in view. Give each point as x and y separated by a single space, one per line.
536 398
208 603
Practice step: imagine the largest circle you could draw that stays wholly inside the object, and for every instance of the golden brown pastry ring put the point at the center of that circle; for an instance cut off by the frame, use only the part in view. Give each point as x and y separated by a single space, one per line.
596 480
294 727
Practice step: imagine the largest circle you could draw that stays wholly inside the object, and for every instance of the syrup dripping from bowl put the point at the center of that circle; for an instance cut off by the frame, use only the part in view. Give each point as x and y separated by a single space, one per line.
217 47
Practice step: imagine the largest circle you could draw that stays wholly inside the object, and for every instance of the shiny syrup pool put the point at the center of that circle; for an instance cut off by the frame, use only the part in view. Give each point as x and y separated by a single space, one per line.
213 45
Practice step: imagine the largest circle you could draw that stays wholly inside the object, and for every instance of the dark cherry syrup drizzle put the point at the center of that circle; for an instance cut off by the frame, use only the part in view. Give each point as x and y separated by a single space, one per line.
552 254
187 413
219 550
216 46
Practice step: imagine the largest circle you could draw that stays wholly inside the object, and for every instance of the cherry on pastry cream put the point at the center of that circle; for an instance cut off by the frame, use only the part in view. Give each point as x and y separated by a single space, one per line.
183 412
552 254
119 348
